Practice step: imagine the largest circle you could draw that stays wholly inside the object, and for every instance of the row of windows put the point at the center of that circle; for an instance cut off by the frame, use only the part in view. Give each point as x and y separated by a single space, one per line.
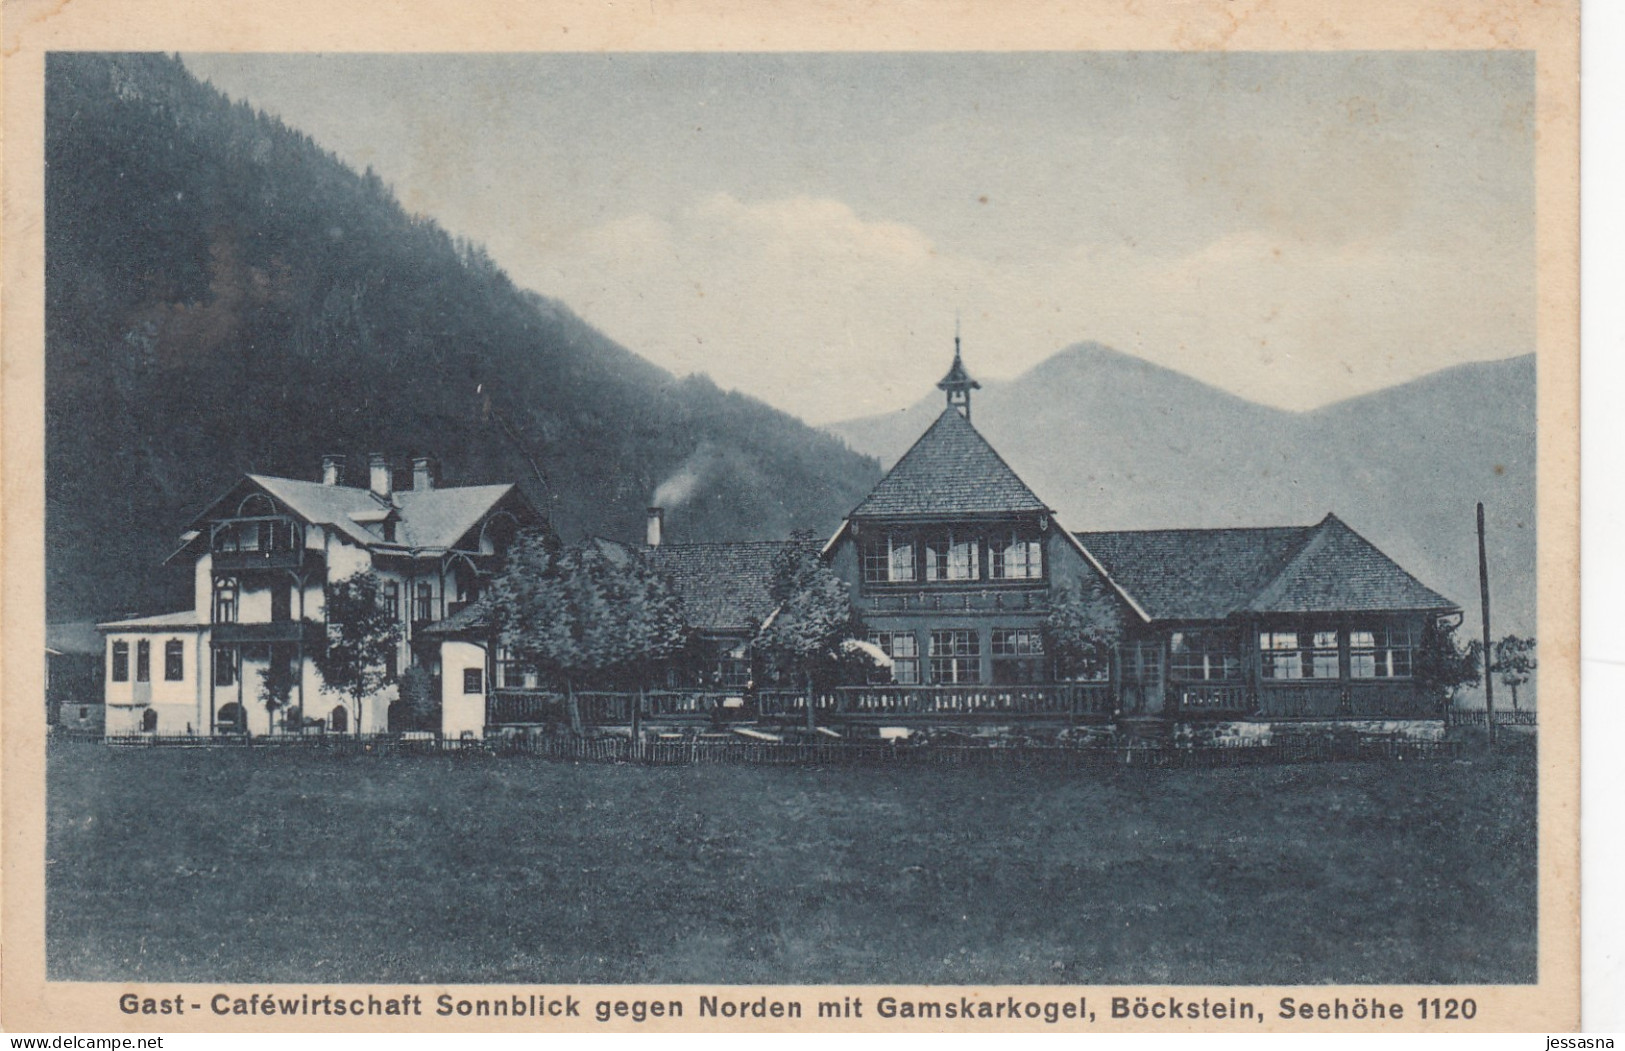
174 661
954 656
389 596
1387 652
895 558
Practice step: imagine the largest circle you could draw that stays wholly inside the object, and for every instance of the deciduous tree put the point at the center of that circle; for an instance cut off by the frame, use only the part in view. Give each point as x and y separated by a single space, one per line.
1514 662
812 618
362 636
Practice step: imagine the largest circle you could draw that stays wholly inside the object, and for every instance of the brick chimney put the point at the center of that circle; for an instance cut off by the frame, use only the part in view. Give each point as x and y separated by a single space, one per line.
332 469
383 479
425 473
657 517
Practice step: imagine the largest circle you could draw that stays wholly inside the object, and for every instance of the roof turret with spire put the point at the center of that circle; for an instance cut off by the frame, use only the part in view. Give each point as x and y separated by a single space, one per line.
958 383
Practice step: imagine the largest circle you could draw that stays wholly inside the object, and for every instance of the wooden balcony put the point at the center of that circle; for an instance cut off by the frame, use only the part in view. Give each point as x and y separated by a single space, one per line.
257 542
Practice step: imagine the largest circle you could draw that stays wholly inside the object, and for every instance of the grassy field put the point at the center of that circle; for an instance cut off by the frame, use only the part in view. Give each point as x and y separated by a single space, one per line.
271 865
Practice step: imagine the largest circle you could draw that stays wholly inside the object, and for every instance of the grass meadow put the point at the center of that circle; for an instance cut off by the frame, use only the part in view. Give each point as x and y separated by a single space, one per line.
284 865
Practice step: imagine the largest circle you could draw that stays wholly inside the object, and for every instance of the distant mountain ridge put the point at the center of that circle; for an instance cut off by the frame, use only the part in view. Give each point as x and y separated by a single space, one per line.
1115 442
223 296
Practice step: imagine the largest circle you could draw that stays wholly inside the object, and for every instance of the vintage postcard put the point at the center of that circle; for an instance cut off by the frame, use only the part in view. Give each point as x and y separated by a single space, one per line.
833 517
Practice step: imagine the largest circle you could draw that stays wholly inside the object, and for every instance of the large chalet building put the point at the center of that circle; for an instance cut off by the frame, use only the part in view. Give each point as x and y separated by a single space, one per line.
261 555
953 563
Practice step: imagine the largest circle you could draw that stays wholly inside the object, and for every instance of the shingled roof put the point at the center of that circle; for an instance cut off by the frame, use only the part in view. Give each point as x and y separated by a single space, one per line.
1338 569
951 470
725 586
1209 574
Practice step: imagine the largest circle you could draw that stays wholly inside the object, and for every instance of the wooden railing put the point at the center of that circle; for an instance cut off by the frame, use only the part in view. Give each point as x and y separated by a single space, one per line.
1201 698
600 707
1332 700
1060 699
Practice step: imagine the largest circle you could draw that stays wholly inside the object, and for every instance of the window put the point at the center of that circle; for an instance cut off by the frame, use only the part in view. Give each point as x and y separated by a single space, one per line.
423 608
225 667
1321 661
514 674
389 530
1015 558
225 601
951 558
904 650
121 662
143 661
1279 656
1018 655
956 657
1204 657
389 597
1382 653
473 680
174 661
888 560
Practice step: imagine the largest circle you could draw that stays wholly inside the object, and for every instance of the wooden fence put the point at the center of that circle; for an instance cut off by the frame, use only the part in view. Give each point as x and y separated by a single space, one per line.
1478 717
733 750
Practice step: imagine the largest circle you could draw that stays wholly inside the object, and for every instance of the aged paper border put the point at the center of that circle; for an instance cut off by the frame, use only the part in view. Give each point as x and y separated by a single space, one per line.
32 27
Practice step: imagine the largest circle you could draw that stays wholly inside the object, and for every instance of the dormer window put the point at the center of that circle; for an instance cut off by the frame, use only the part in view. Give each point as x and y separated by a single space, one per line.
1012 556
389 530
952 558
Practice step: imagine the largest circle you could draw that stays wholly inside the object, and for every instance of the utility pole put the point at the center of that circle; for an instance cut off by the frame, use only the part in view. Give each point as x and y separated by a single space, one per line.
1484 604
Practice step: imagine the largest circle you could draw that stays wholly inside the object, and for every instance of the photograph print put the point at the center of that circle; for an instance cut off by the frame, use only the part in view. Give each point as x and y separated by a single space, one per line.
1057 518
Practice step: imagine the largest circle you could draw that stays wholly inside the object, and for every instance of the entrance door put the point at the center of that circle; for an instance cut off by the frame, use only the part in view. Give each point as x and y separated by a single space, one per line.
1142 678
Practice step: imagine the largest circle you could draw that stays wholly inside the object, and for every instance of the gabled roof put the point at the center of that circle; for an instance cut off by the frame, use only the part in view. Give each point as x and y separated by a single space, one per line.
726 586
430 518
951 470
1209 574
441 517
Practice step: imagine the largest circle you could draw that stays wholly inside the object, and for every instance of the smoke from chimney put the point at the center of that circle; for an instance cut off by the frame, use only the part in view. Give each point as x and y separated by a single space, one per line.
657 519
684 482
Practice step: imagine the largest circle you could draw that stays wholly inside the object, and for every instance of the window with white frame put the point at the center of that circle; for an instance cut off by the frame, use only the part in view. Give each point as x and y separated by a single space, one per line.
953 558
904 650
1014 557
1382 652
1018 656
121 661
888 559
1204 656
956 657
1279 656
1321 661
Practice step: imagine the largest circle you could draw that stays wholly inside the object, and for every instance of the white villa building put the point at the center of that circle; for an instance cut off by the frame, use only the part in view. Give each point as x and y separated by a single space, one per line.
261 555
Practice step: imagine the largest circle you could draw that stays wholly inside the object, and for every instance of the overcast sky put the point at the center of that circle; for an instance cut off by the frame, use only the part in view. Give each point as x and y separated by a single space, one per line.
1295 228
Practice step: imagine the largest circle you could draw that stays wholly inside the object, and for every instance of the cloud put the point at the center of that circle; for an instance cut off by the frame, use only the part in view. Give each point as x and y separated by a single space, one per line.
830 314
